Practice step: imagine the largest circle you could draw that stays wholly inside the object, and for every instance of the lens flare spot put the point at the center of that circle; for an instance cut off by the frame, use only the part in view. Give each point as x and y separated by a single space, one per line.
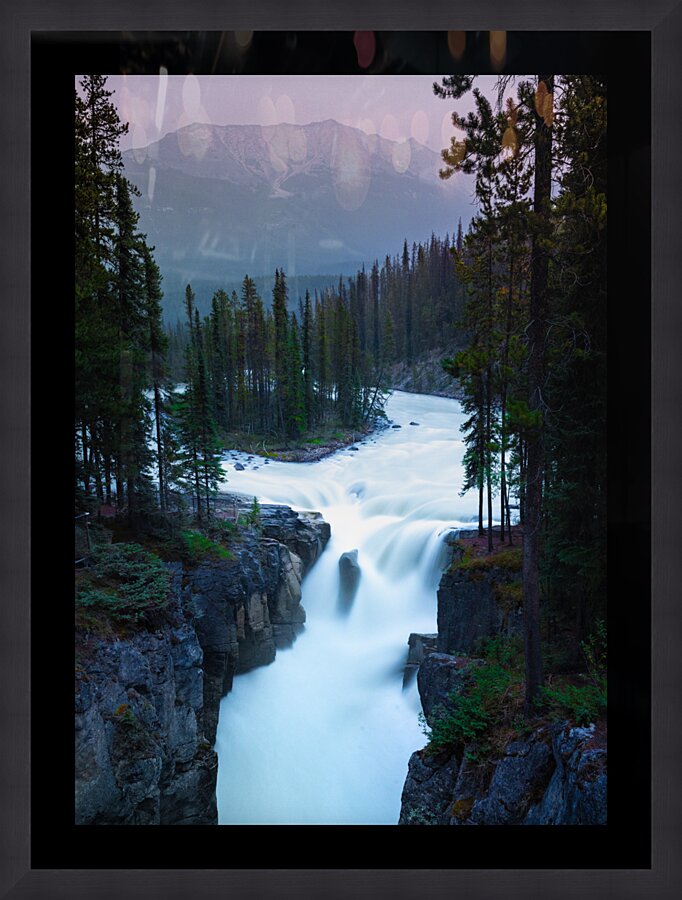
161 97
540 96
457 43
276 161
548 110
152 183
243 38
389 128
498 49
279 142
139 143
509 141
298 145
401 156
419 129
265 111
284 109
194 140
456 152
446 130
351 170
365 48
191 96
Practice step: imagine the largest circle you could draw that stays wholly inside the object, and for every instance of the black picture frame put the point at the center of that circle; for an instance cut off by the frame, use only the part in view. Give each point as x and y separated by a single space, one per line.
17 878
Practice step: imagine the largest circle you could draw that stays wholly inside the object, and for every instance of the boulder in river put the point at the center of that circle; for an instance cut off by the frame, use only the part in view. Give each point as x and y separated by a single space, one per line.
396 426
239 467
414 423
349 574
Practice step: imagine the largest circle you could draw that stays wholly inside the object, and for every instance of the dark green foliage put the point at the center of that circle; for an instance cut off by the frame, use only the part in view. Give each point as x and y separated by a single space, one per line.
470 714
534 374
585 701
117 316
125 583
253 515
131 737
198 547
581 703
510 559
574 566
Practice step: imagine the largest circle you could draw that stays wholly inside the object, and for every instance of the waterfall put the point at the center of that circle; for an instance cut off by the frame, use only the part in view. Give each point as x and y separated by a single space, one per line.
324 734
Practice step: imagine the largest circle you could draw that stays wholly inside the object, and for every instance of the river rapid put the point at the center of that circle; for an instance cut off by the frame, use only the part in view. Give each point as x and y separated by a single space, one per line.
324 734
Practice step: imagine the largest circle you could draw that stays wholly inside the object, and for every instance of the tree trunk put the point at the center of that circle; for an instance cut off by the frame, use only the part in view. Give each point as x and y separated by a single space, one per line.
488 457
159 447
504 499
536 376
86 472
489 401
107 480
480 503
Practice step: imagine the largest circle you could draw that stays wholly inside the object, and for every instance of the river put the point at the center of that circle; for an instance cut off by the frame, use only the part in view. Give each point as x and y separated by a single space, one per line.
324 734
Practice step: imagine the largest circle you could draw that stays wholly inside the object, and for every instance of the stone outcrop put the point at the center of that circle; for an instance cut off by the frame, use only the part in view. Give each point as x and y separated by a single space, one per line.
147 704
349 578
142 757
426 375
419 645
438 676
244 609
304 533
555 775
475 604
551 777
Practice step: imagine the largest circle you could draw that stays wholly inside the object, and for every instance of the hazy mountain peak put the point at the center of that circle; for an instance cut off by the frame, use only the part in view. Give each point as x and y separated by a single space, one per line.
220 201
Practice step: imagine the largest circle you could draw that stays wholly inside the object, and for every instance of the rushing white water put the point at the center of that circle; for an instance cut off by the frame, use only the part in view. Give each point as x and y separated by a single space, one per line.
324 734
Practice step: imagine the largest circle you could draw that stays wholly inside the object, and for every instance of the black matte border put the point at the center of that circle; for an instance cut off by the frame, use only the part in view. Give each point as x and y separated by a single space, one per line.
662 880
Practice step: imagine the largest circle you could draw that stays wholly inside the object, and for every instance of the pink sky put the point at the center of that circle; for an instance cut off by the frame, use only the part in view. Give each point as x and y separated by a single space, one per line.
397 107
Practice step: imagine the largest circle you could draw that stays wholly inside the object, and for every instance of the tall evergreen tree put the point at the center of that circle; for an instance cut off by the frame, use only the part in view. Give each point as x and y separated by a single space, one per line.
158 344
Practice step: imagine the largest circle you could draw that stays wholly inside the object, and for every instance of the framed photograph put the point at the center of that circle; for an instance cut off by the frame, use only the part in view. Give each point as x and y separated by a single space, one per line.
291 79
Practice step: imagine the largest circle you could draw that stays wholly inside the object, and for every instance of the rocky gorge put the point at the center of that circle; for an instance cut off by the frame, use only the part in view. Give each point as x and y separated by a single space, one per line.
147 701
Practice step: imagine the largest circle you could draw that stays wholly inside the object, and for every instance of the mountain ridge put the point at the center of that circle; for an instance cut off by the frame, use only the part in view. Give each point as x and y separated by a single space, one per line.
221 201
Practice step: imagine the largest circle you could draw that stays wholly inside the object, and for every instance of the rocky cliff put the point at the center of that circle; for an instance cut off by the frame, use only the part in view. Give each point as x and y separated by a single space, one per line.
147 702
546 773
426 375
478 599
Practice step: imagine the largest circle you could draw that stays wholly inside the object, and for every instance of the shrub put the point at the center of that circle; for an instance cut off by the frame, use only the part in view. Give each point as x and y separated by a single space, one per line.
252 517
510 559
199 547
470 713
131 737
487 711
125 583
582 703
587 701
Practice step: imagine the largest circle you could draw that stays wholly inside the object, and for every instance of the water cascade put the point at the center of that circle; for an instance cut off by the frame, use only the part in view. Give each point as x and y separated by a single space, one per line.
323 735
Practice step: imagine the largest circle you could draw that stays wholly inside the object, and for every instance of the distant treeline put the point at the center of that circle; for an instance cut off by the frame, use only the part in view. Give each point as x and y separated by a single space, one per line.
412 303
175 282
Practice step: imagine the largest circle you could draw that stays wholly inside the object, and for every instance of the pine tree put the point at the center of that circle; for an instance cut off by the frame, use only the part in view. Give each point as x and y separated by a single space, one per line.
158 344
295 410
280 316
537 331
574 564
97 165
478 153
307 341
